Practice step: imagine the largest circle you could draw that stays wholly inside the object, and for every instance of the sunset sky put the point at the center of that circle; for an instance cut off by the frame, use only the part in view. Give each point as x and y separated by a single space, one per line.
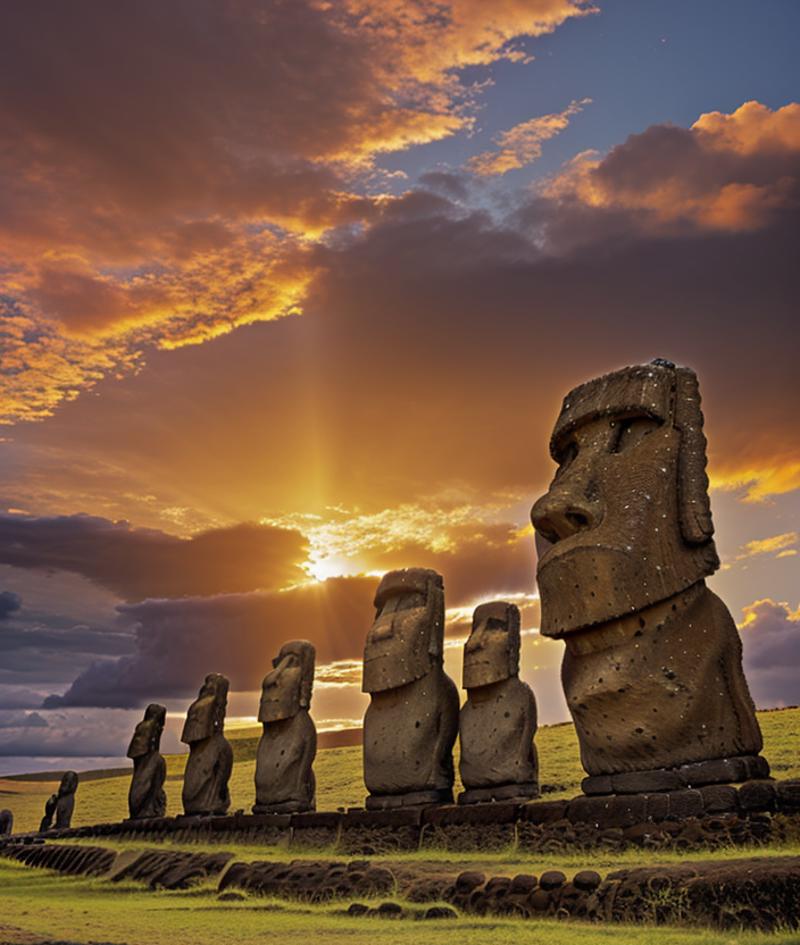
291 293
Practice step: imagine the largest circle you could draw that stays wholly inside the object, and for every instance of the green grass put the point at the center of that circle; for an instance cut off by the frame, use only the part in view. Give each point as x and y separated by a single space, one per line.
77 910
338 771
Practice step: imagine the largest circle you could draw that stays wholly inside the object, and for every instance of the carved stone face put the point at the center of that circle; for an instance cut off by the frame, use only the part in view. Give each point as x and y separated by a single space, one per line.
69 784
405 642
625 522
147 734
287 689
491 652
206 715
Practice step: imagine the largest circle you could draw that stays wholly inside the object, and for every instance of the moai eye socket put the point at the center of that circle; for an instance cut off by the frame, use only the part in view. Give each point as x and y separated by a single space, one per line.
629 432
566 455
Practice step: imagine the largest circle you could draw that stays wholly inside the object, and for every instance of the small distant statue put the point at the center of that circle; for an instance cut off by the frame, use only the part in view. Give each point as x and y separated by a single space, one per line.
412 719
498 721
6 822
210 762
652 669
284 775
146 797
61 804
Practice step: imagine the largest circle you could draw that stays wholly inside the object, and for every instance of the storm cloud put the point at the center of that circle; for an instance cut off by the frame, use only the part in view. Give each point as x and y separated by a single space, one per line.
136 562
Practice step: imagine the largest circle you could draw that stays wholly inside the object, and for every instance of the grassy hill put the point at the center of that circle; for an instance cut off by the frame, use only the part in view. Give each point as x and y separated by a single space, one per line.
338 770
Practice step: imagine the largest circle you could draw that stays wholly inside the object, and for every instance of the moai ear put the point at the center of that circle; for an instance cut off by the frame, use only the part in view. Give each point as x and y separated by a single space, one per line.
307 676
694 505
435 600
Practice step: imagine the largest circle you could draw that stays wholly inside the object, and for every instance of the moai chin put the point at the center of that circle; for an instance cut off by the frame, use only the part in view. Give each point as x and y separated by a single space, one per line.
411 723
61 804
210 762
284 764
497 723
146 797
652 670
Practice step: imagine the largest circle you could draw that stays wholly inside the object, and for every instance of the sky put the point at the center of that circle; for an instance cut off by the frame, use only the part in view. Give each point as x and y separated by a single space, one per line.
291 293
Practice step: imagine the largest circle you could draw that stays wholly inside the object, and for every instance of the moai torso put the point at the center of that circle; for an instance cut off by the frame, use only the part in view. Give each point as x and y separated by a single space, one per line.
497 723
60 806
652 671
210 762
6 822
284 774
146 797
411 723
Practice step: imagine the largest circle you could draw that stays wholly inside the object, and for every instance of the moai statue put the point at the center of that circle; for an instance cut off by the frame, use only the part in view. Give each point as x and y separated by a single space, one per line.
210 762
6 822
61 804
284 775
652 669
498 721
412 719
146 797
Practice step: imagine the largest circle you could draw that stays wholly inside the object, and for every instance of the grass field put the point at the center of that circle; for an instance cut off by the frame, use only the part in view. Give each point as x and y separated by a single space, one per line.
35 905
338 771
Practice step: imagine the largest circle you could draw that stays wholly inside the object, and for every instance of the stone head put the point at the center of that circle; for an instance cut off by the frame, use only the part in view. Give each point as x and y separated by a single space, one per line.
626 521
206 715
287 689
406 639
147 734
491 652
69 784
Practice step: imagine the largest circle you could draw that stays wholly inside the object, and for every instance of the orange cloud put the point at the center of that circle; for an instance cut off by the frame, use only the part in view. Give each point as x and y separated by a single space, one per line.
522 144
168 205
726 172
759 483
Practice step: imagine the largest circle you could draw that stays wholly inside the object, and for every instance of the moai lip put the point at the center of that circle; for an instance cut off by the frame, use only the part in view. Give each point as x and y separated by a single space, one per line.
652 669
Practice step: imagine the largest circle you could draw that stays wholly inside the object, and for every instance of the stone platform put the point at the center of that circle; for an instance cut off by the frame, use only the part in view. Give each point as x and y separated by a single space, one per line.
756 812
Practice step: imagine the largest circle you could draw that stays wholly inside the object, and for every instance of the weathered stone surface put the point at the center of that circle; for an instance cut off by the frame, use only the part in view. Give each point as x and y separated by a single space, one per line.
719 798
686 803
146 797
757 795
652 669
208 769
284 774
6 822
412 720
60 806
497 723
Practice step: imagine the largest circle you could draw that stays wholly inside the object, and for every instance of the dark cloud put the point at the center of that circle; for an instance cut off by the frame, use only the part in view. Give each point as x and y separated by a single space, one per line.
22 720
71 734
9 603
180 641
771 642
137 563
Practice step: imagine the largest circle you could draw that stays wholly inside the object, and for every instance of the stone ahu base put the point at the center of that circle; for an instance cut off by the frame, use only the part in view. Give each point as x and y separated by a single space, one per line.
501 792
412 799
757 812
759 894
699 774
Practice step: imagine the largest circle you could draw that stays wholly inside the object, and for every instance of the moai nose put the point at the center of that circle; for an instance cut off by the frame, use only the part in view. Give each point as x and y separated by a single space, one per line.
560 513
